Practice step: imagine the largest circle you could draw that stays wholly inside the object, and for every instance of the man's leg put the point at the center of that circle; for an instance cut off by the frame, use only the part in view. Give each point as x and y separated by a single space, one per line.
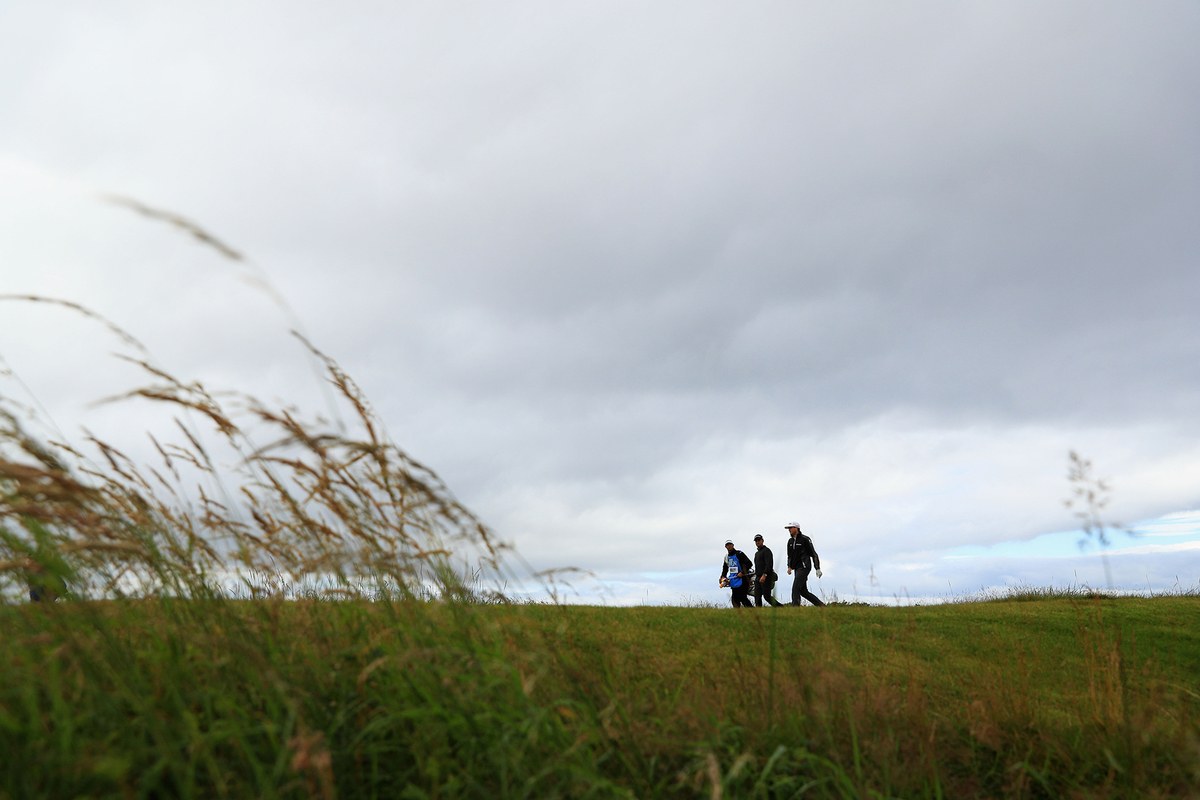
769 590
758 593
802 580
798 587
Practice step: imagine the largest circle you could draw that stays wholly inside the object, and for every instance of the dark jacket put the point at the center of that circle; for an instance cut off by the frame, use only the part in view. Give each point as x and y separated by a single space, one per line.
764 562
744 565
801 554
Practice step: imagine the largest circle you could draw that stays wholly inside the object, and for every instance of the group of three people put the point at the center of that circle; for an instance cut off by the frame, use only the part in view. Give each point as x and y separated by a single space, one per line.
802 558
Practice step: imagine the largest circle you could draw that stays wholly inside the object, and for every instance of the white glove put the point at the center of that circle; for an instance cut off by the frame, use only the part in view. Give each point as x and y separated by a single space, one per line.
818 573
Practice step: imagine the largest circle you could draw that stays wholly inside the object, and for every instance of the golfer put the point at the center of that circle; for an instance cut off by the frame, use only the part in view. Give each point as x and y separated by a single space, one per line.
764 573
801 558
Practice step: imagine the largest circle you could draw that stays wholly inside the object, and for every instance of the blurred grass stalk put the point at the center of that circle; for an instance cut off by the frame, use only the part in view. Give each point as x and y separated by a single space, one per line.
313 507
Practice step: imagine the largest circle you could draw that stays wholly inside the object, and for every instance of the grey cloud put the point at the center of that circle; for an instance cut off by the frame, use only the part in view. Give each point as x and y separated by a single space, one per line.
573 252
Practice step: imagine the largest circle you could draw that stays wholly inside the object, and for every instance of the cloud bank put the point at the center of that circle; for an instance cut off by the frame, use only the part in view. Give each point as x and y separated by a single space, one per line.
637 278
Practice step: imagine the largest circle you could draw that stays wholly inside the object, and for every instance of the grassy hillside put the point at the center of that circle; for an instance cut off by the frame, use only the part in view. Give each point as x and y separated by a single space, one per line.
1071 696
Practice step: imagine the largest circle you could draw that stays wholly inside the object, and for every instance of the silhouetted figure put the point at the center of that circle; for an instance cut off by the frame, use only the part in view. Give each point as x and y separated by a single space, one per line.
801 558
764 574
735 573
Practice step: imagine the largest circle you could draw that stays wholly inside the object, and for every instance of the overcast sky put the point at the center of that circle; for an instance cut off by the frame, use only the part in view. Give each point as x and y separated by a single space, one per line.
634 278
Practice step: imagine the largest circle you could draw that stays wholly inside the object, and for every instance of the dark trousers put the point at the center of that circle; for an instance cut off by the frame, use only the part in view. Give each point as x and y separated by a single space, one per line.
800 589
740 597
765 589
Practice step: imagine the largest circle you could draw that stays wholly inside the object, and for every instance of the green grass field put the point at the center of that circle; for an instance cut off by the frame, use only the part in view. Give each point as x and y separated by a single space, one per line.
1055 697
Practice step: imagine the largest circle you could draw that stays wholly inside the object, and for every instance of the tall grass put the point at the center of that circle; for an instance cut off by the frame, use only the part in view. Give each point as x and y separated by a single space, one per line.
276 606
325 698
301 500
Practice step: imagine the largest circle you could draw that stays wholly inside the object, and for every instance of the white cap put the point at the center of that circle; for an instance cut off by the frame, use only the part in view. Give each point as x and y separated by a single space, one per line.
729 541
792 525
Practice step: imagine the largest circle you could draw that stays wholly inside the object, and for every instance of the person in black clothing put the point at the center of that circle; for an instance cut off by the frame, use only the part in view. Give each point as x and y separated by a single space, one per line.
802 557
735 573
764 573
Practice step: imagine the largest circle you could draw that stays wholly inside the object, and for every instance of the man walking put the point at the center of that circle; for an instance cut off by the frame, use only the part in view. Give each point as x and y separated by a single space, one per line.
764 573
801 557
735 573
